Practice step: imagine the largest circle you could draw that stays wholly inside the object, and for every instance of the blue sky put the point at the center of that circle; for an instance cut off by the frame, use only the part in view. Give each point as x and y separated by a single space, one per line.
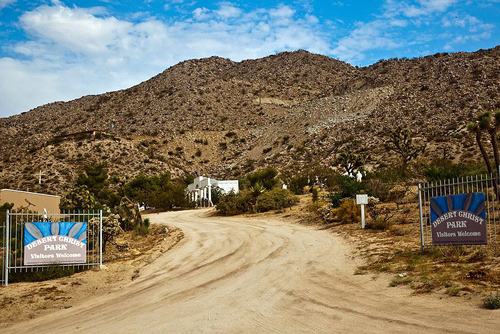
61 50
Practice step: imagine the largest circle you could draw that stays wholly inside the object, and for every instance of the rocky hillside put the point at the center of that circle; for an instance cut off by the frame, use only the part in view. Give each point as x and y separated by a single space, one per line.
223 118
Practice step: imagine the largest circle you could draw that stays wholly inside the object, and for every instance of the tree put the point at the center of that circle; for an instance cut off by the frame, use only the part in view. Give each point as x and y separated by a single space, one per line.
400 141
266 178
484 123
351 161
79 198
158 191
95 177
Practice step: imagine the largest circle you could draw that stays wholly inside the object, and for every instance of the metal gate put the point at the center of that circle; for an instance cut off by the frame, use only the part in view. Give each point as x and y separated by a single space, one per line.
13 238
2 251
488 185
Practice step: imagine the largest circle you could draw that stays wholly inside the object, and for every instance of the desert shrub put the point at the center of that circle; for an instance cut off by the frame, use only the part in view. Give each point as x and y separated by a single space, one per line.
379 224
349 212
95 177
492 302
110 229
256 200
349 187
216 193
298 183
141 230
314 194
3 209
444 169
335 199
275 199
386 174
233 204
379 189
327 213
346 187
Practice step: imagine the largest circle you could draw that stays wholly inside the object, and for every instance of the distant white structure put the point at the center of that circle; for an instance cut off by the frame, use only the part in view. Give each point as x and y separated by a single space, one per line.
359 176
201 189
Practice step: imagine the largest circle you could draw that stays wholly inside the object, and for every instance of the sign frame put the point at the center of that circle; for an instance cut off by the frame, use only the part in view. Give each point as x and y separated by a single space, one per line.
47 243
459 219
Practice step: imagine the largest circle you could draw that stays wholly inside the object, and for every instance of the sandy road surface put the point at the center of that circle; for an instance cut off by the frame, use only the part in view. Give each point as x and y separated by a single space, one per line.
239 275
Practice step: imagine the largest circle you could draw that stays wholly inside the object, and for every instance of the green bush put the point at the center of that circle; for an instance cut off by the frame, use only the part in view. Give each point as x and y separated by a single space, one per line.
314 194
349 186
346 187
266 177
157 191
275 199
335 199
297 184
216 193
247 201
379 224
233 204
445 169
492 302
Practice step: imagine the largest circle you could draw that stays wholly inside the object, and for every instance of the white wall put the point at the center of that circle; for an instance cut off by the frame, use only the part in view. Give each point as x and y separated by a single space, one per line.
229 185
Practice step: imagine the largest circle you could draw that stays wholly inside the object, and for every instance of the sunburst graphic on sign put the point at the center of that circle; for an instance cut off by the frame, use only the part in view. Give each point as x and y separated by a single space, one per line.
459 219
52 243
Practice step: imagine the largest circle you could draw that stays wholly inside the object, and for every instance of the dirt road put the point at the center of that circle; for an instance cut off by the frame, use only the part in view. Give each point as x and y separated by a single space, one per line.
237 275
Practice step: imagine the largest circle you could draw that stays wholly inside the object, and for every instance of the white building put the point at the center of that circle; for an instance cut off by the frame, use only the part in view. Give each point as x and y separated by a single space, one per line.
201 189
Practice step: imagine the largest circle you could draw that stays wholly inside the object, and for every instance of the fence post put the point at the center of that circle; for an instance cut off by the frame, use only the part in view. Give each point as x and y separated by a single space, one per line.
100 238
7 246
422 241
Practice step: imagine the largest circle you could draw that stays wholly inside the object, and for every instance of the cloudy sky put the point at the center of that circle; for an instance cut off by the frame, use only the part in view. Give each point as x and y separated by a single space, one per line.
61 49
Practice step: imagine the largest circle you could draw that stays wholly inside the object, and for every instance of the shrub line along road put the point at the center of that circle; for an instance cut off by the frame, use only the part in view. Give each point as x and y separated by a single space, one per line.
246 275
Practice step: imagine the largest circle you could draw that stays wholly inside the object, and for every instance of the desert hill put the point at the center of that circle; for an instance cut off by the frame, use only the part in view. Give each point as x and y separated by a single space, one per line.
224 118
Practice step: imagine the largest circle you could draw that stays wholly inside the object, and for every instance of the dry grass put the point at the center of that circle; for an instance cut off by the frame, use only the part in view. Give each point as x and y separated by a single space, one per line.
454 270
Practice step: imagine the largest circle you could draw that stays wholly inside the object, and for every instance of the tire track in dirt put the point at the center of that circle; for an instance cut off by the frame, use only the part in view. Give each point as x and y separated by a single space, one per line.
246 275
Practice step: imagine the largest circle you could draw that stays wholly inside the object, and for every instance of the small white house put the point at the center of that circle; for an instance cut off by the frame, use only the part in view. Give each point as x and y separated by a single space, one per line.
201 189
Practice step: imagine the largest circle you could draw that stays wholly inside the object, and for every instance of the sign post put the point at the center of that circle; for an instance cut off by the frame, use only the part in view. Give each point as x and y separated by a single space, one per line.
362 200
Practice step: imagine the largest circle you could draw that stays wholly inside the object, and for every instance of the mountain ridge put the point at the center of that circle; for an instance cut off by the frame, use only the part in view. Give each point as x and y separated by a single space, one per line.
288 110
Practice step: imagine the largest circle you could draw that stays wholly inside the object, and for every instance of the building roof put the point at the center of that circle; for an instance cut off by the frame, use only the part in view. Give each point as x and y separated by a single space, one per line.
32 193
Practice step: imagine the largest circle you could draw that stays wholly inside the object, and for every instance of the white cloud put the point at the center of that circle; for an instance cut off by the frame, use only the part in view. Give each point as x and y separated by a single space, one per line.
368 36
5 3
78 51
420 8
283 12
228 11
76 30
312 19
201 13
466 21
